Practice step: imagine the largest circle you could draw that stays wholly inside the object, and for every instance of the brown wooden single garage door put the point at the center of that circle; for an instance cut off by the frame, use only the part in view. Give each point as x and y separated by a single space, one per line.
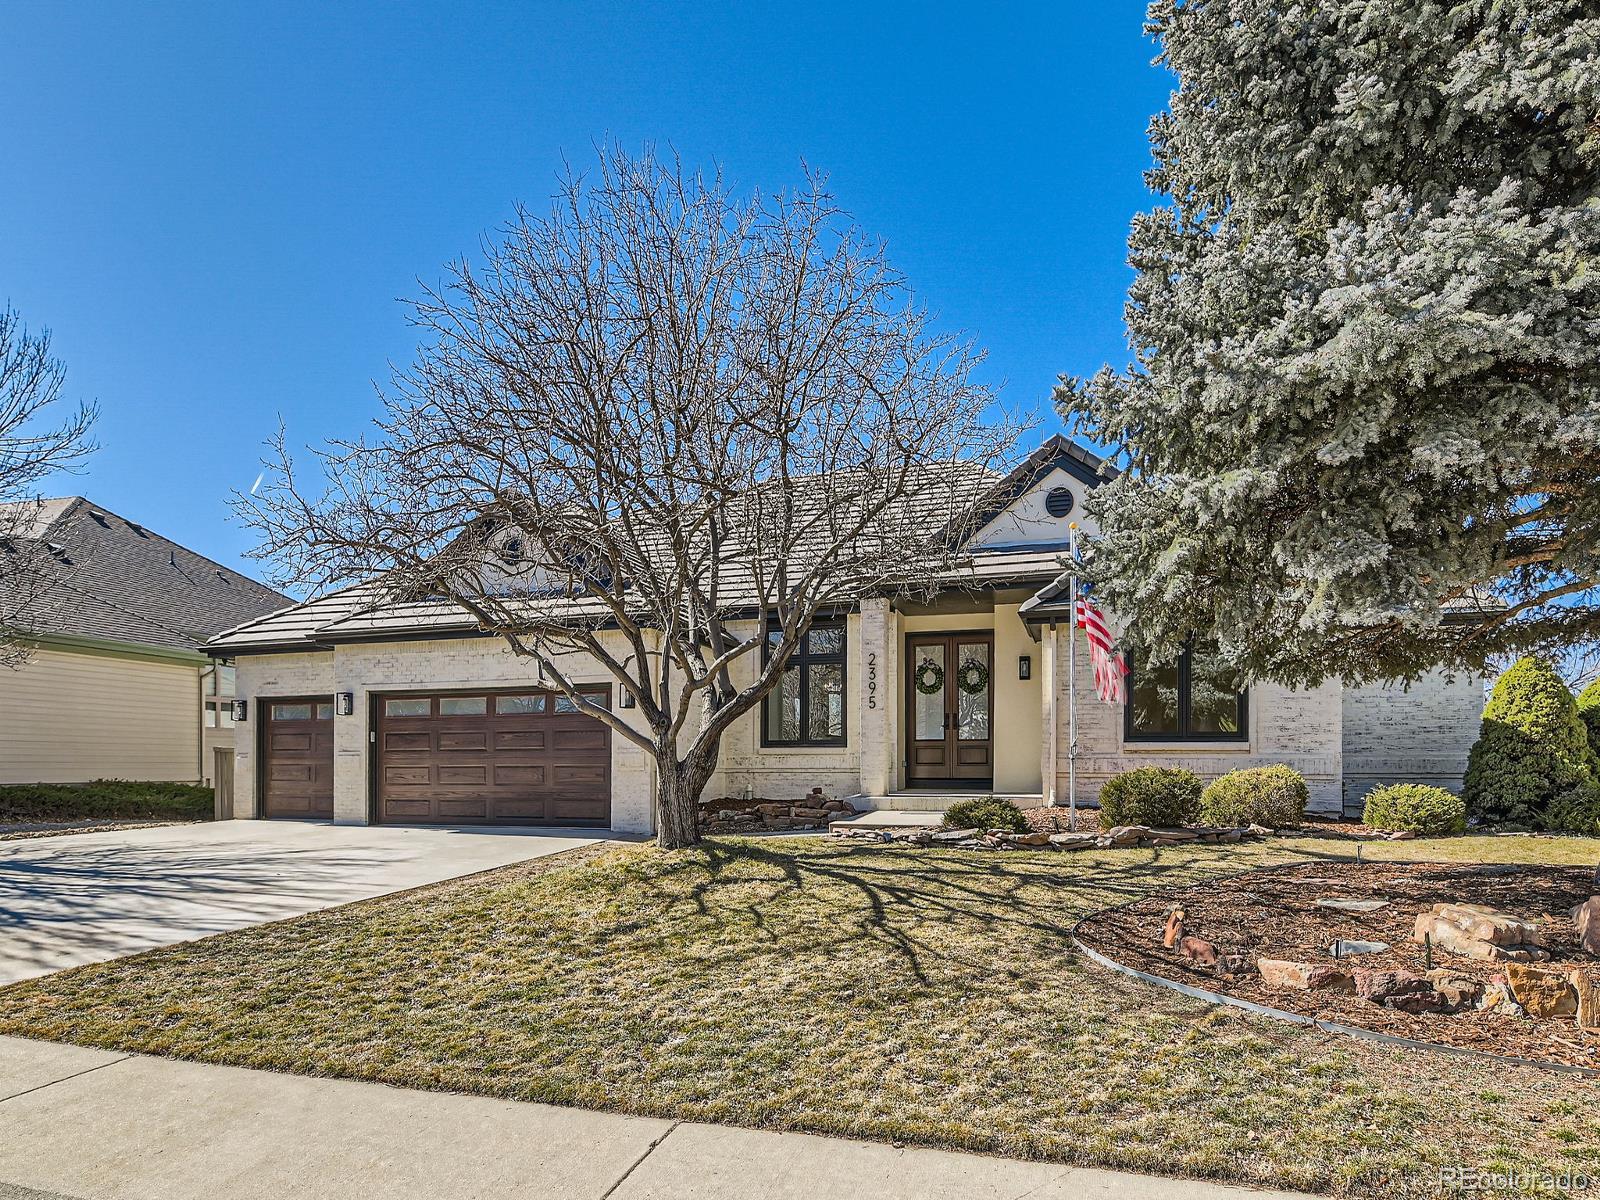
511 758
297 757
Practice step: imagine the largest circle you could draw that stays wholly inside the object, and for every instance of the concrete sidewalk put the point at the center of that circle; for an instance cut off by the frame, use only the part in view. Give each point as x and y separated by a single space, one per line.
99 1125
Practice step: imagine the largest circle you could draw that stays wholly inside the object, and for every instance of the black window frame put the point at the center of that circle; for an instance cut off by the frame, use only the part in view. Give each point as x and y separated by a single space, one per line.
800 660
1185 697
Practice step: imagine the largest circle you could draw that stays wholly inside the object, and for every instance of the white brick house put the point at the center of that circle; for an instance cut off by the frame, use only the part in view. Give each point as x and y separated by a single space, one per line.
402 713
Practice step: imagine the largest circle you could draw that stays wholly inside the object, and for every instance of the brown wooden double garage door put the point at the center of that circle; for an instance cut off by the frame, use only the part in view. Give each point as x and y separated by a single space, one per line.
510 758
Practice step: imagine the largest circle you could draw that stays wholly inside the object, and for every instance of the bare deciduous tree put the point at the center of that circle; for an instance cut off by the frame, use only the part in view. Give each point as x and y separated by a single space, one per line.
663 427
31 448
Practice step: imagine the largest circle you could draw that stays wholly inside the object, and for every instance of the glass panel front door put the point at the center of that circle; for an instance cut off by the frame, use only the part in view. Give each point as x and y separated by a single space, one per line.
950 709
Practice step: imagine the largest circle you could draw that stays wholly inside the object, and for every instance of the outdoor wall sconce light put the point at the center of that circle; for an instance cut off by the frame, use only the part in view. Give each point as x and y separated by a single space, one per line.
345 703
241 710
1024 666
626 700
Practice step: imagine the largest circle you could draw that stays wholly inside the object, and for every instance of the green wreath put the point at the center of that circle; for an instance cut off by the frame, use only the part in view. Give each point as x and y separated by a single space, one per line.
929 678
973 677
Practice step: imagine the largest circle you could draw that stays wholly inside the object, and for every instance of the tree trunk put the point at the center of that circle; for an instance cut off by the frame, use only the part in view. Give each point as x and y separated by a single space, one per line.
678 789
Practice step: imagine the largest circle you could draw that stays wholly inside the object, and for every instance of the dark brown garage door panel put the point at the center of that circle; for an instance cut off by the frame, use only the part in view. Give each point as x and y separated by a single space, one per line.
491 757
297 757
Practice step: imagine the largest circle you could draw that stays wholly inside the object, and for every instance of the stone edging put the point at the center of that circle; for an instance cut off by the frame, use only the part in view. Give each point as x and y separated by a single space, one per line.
1278 1014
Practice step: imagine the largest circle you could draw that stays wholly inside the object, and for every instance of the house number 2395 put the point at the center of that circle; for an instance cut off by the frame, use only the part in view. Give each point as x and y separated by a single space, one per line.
872 679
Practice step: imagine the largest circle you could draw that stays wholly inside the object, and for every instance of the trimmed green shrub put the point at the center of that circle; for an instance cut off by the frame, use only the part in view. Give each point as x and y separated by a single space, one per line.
1576 810
1531 748
1274 796
105 799
1150 796
1589 713
985 812
1415 807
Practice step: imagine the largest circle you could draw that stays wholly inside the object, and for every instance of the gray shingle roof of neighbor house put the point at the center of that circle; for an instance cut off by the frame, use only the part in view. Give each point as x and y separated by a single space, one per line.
363 611
112 579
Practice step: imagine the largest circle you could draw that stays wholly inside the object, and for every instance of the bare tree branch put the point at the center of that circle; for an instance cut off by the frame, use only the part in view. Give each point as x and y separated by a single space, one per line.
657 418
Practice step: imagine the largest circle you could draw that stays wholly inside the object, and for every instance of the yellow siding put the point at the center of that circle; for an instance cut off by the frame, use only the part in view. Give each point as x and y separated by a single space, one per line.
68 718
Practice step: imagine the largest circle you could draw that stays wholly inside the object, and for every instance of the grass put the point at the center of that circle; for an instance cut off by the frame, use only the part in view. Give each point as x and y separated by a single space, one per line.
104 799
922 996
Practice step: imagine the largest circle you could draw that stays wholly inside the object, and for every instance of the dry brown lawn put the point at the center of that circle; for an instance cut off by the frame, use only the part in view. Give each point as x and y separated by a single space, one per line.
922 996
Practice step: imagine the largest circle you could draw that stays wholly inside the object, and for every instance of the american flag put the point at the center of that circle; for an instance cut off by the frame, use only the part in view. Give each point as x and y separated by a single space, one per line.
1110 669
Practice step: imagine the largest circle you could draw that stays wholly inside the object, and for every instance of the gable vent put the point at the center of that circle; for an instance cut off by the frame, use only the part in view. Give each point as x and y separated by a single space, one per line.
1058 501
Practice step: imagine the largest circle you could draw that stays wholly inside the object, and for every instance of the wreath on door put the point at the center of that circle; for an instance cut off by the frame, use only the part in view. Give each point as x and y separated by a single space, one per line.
973 677
929 677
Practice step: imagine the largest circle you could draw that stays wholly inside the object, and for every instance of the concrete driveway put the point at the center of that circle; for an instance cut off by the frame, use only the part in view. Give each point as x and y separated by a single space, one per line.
88 897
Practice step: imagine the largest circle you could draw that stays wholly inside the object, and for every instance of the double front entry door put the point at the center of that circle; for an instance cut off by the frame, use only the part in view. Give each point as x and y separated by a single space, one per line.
950 709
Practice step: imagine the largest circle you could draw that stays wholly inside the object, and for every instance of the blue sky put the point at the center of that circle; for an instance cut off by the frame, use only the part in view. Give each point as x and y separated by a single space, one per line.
214 207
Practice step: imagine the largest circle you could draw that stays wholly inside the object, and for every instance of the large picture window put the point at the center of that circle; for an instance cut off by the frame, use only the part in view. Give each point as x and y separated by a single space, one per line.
1182 702
807 707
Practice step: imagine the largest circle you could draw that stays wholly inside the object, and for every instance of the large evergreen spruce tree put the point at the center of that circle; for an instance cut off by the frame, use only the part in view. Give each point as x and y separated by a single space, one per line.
1367 328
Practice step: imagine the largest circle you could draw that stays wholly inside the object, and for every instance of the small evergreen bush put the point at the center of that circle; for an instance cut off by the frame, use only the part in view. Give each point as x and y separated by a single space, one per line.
1531 748
1274 796
985 812
1416 808
1576 810
1150 796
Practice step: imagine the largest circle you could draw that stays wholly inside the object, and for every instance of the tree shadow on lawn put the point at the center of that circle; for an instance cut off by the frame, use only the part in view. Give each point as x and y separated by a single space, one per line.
887 893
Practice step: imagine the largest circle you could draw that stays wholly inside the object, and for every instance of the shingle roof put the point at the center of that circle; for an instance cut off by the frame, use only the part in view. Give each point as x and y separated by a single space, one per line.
109 577
365 611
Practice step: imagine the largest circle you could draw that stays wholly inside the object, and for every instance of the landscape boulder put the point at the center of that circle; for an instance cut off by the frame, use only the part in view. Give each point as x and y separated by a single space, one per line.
1074 841
1586 917
1404 991
1475 931
1282 975
1587 989
1173 933
1198 950
1541 991
1458 991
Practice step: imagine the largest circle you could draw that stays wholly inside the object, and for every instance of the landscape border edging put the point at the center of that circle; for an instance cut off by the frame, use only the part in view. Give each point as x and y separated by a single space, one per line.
1279 1014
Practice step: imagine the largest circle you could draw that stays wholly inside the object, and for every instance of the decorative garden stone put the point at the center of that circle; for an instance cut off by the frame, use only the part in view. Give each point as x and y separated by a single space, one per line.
1586 917
1497 998
1541 991
1345 949
1587 989
1402 990
1173 933
1198 950
1340 904
1459 991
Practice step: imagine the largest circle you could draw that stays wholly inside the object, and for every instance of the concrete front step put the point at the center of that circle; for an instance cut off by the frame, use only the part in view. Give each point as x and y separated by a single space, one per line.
938 801
887 819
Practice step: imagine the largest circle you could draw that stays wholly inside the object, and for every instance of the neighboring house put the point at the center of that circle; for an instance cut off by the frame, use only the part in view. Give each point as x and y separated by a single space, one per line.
115 686
363 709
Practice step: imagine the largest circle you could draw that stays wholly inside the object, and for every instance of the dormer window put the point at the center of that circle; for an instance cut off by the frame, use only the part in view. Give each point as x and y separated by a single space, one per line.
510 550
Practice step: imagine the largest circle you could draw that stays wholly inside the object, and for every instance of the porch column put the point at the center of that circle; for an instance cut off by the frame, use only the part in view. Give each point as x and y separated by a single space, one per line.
878 695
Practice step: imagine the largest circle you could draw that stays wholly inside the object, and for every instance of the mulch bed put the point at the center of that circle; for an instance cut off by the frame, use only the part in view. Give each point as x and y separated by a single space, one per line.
1059 820
1274 914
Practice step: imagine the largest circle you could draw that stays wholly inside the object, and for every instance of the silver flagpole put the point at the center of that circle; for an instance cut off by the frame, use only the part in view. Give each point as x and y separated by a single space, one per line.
1072 679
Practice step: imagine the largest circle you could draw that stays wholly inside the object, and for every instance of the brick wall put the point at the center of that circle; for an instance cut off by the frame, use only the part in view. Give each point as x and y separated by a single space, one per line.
1300 728
1416 734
